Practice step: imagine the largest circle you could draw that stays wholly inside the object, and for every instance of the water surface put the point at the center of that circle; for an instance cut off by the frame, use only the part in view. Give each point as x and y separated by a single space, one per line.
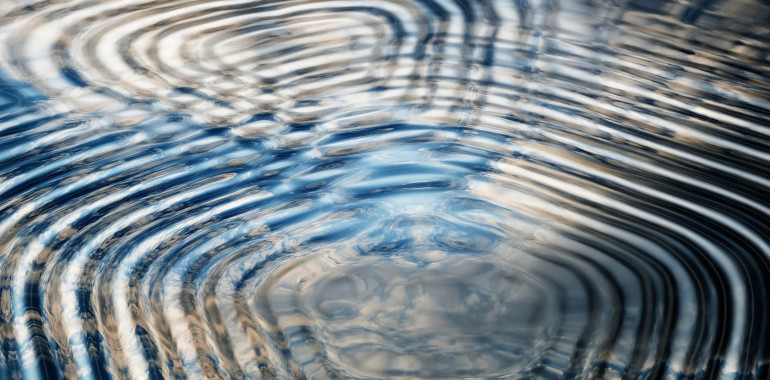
539 189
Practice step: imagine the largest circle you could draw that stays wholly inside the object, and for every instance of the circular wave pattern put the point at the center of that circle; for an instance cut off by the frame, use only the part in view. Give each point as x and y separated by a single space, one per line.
384 189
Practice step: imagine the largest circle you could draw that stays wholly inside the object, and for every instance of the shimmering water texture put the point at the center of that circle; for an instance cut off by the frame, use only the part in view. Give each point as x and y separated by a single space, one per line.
390 189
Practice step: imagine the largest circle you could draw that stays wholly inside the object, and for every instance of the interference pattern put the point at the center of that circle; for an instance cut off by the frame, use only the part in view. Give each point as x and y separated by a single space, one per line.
384 189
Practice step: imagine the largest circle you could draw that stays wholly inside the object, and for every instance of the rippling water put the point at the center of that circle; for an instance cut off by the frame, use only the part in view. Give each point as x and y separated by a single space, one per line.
442 189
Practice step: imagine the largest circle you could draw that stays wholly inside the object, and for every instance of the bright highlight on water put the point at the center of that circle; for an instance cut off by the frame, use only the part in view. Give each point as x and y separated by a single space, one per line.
384 189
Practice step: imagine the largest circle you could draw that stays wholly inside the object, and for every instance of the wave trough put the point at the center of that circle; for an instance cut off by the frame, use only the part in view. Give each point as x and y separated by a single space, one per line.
241 189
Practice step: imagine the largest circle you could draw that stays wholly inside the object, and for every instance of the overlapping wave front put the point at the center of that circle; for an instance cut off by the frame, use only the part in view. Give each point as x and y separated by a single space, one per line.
555 189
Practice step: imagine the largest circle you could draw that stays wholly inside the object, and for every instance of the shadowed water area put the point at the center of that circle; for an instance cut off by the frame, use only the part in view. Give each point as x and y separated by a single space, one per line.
384 189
